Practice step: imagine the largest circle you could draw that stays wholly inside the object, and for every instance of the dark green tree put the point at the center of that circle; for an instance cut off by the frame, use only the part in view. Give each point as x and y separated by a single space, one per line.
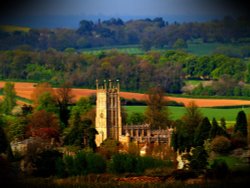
3 141
198 159
82 106
76 133
156 113
217 130
241 123
9 98
60 168
47 102
136 118
202 132
85 27
191 120
223 123
174 141
4 144
214 129
181 140
192 117
179 44
95 163
45 163
91 138
80 134
64 98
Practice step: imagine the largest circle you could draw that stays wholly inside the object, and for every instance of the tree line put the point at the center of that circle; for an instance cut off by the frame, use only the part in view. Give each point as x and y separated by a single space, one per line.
147 33
168 69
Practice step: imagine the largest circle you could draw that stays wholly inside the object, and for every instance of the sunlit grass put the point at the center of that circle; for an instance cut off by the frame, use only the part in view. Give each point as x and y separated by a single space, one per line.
177 112
12 28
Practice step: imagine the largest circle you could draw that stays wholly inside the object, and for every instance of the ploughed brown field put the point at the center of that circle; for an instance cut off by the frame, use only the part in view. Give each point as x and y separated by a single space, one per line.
24 90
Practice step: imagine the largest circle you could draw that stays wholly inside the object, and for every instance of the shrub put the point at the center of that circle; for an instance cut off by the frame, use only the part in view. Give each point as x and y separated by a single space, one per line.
60 168
198 159
45 163
220 144
219 169
136 118
122 163
82 163
118 163
238 140
145 163
95 163
69 166
108 148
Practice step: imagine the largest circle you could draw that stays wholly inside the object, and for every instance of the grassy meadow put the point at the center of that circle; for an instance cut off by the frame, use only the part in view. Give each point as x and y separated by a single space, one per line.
202 48
128 49
177 112
194 47
12 28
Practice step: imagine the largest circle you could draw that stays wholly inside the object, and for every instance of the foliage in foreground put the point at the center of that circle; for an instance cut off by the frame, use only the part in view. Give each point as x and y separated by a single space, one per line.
127 163
82 163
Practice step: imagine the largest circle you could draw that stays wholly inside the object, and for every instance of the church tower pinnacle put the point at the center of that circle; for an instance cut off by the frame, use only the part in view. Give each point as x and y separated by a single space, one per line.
108 111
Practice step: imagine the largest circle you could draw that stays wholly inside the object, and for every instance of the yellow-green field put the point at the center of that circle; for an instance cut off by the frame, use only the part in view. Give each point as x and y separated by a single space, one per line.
12 28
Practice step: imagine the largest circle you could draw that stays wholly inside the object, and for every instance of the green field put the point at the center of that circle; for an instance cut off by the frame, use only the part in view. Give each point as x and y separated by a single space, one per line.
199 49
129 49
233 162
177 112
12 28
202 48
195 47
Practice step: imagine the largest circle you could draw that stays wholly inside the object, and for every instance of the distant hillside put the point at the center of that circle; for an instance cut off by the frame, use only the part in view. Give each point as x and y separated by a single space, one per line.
147 33
12 28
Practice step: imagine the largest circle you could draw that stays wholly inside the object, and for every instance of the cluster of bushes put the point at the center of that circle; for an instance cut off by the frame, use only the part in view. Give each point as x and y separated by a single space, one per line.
232 90
127 163
224 85
82 163
51 162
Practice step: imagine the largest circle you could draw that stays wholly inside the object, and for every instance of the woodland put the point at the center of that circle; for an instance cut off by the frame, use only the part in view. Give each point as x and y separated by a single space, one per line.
56 55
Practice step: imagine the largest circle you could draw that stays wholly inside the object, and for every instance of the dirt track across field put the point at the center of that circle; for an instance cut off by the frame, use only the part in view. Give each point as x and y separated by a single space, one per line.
24 90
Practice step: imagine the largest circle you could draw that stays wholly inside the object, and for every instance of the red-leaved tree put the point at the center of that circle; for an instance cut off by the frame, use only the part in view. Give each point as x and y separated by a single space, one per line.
43 124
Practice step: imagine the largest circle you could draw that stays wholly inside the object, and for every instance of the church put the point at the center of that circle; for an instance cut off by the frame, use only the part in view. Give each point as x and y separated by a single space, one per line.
108 122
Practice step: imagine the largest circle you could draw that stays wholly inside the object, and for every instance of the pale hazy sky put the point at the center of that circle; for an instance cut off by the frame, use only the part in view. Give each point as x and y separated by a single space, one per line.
124 7
69 12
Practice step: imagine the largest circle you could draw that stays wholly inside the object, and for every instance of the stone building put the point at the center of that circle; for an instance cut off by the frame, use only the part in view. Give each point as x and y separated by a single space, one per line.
143 134
108 111
109 120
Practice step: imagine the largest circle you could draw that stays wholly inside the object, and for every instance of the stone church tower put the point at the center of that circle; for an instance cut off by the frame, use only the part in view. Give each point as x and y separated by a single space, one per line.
108 122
